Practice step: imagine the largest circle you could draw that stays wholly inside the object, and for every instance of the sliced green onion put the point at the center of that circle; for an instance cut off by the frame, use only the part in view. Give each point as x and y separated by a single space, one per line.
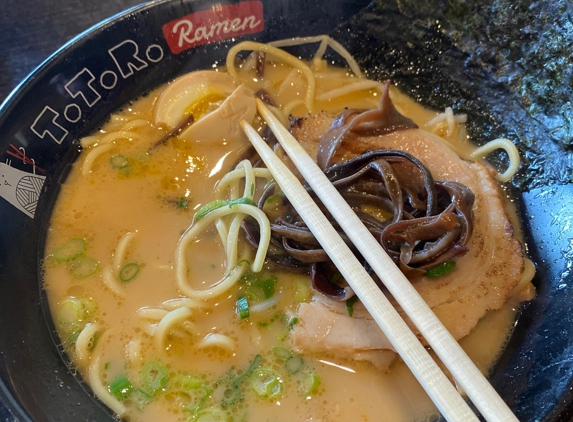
193 393
292 321
119 161
72 339
273 198
350 304
233 392
294 364
72 316
212 415
303 293
121 388
128 272
309 384
220 203
243 307
281 352
231 395
70 313
211 206
266 383
241 201
140 398
441 269
183 202
186 382
83 267
267 286
260 286
197 397
155 376
71 250
256 362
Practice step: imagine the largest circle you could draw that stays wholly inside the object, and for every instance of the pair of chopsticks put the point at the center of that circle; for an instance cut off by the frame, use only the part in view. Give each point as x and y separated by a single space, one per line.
448 400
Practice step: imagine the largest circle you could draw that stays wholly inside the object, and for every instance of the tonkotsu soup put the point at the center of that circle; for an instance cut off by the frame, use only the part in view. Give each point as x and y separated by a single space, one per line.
184 287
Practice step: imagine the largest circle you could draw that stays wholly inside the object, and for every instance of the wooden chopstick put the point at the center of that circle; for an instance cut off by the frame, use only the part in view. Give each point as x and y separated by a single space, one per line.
478 389
436 384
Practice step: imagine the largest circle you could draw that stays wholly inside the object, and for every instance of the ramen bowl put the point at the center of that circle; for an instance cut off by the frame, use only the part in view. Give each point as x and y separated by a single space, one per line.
73 93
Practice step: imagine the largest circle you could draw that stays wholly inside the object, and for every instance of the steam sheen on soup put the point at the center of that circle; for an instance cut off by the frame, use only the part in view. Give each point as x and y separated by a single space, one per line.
207 329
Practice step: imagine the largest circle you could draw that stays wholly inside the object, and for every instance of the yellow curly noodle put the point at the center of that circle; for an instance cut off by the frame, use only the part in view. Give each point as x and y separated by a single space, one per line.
176 210
456 138
110 273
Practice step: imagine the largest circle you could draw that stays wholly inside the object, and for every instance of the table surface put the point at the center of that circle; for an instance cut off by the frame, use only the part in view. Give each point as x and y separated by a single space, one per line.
31 30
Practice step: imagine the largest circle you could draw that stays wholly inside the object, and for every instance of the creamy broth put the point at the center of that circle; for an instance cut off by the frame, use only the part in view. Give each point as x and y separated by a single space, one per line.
155 200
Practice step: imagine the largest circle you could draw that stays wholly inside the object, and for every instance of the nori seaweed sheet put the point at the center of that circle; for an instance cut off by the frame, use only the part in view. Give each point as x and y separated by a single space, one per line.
507 65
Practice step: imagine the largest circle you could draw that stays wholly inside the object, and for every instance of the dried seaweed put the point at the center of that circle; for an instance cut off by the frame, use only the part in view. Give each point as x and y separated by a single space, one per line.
507 65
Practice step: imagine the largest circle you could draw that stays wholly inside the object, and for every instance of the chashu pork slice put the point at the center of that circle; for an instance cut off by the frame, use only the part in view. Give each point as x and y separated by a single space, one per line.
483 277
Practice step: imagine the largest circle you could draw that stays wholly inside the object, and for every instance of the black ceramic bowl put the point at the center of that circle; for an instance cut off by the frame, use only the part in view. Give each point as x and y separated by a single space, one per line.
435 51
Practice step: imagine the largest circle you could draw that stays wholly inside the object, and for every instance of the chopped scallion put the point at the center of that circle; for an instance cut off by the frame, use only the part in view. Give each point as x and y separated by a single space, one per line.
219 203
350 304
183 202
241 201
140 398
119 161
128 272
70 315
273 198
281 352
294 364
71 341
71 250
83 267
441 269
266 383
191 391
303 293
212 415
309 384
155 376
233 393
243 307
121 388
261 288
292 321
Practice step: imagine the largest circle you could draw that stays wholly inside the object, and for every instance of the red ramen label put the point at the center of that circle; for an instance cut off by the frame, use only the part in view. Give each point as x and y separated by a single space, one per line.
215 24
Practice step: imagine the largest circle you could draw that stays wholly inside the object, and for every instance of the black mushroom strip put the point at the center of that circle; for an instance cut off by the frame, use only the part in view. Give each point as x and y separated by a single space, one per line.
420 222
350 122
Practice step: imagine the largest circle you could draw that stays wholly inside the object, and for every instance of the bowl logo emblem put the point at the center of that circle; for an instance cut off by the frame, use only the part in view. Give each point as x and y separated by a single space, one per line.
20 188
86 89
216 24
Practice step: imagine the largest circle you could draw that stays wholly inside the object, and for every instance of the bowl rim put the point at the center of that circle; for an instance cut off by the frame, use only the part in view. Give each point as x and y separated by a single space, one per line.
8 398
